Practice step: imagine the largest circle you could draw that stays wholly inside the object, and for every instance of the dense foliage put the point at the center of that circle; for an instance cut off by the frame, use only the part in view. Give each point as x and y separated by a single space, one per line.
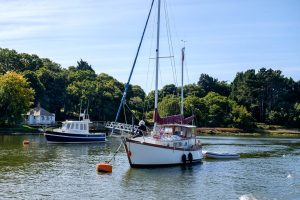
264 96
15 98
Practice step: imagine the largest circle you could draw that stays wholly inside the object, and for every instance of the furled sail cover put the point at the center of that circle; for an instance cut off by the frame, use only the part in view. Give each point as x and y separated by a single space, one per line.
173 119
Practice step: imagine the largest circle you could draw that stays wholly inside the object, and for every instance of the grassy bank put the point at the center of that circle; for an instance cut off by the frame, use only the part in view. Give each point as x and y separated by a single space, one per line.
18 129
261 130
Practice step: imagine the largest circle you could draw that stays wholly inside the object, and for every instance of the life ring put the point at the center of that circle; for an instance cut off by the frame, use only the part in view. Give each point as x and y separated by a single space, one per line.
129 153
183 159
190 157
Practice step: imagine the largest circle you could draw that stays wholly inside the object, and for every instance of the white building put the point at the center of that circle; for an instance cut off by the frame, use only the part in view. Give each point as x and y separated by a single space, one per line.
39 115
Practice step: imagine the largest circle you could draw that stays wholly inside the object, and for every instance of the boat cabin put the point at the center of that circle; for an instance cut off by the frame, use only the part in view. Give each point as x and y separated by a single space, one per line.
75 126
182 130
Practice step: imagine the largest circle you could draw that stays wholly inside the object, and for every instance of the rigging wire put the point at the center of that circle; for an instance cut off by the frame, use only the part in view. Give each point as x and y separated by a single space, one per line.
170 44
174 24
148 68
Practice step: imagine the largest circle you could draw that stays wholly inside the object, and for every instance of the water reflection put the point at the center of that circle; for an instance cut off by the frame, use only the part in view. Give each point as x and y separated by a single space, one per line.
267 169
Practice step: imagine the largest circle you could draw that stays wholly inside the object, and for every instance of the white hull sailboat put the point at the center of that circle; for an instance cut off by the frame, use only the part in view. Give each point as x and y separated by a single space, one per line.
173 140
147 152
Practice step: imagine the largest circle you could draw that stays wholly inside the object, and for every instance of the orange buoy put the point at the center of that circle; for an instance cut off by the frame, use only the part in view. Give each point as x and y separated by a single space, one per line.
26 142
104 167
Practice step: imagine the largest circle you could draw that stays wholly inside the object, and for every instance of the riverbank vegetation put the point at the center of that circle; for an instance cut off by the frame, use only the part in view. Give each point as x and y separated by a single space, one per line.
264 96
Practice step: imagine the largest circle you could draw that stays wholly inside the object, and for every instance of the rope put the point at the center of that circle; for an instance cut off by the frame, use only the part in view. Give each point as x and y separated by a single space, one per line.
114 153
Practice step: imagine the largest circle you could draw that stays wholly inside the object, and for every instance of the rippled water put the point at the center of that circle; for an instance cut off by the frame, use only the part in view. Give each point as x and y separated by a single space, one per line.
269 168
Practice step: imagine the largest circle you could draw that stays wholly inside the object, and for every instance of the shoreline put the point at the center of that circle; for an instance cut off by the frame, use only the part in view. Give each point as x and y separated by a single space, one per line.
259 132
22 129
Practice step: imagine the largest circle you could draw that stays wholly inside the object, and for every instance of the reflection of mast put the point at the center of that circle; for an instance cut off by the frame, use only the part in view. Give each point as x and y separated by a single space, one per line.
157 61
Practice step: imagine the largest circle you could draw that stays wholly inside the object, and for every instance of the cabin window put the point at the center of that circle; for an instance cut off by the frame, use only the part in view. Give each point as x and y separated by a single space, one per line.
68 126
85 128
168 130
77 126
72 126
81 126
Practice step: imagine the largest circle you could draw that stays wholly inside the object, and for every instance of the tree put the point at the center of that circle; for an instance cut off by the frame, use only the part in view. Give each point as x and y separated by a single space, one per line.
196 106
169 106
210 84
36 85
30 62
55 89
297 114
83 65
9 61
168 90
193 90
218 109
15 98
241 118
267 94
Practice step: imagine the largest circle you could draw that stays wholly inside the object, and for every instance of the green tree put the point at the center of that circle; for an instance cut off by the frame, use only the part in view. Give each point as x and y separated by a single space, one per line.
55 89
15 98
267 94
169 106
83 65
168 90
241 118
9 61
196 106
219 109
36 85
210 84
193 90
297 114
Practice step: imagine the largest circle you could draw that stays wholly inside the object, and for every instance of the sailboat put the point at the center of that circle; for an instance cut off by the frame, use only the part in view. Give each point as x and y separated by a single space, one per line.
173 140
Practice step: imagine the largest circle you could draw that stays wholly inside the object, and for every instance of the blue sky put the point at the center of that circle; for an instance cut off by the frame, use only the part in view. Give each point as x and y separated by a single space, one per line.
223 36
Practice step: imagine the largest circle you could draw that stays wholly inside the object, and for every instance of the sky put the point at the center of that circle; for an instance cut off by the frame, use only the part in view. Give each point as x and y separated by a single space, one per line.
222 37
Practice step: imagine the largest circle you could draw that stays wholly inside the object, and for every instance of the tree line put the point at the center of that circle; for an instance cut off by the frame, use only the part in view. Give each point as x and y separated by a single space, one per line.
27 80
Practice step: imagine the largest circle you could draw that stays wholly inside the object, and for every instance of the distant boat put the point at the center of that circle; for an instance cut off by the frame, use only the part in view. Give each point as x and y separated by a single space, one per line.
75 132
221 155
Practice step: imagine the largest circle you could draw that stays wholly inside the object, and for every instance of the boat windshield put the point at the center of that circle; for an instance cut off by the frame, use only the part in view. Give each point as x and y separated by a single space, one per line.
182 131
74 126
64 126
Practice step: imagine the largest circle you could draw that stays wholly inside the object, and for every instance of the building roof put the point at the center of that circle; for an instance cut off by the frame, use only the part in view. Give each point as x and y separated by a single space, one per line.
39 111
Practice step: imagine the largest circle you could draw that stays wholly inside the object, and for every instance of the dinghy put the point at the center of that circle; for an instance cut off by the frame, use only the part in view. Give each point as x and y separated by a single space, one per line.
221 155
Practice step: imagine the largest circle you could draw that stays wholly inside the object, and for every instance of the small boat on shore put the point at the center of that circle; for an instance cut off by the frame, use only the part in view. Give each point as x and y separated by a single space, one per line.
75 132
214 155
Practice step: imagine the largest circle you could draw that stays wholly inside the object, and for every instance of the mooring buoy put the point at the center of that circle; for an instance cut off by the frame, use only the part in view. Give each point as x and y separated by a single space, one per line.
104 167
25 142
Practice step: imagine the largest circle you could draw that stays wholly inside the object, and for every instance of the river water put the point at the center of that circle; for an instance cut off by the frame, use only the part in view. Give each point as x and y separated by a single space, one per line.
269 168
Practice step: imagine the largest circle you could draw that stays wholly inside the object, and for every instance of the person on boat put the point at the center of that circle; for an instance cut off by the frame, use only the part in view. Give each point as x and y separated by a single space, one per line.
141 129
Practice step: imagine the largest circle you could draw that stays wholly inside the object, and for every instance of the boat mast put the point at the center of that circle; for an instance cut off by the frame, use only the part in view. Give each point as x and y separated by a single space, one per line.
157 60
182 63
